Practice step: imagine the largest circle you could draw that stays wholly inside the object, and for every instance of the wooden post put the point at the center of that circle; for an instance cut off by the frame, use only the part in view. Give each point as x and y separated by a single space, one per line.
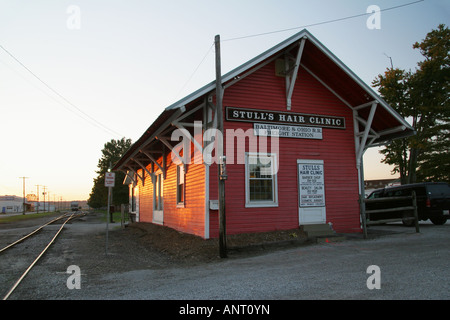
362 206
122 216
416 215
221 164
107 221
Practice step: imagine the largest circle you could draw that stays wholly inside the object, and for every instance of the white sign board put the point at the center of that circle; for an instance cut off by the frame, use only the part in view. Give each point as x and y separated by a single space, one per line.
286 131
110 178
311 184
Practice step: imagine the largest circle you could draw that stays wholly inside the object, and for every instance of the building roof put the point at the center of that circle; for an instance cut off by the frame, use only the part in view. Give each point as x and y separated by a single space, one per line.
383 123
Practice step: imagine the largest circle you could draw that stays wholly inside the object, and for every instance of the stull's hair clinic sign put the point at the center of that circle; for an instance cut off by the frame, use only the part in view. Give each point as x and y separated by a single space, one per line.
285 124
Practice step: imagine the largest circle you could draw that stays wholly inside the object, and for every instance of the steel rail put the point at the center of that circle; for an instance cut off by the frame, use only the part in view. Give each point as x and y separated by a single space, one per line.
31 233
36 260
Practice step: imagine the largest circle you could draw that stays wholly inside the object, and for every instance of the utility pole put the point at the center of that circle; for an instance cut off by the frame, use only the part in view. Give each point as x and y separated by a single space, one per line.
23 206
222 176
37 197
109 183
43 193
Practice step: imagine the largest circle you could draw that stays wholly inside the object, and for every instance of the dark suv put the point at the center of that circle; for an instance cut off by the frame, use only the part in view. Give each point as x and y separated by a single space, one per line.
433 202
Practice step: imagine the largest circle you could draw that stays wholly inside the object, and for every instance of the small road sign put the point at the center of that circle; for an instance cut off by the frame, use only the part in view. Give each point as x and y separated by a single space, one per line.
110 178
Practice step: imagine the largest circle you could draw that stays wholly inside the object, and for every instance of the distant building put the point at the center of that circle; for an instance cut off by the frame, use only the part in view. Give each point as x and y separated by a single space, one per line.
31 197
11 204
43 206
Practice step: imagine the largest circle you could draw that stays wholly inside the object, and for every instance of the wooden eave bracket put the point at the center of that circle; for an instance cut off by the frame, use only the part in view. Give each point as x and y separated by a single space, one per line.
143 167
153 160
361 137
159 131
136 174
291 75
172 149
182 126
128 175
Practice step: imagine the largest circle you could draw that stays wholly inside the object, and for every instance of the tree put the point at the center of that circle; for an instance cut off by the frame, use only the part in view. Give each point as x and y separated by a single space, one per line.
111 153
393 87
431 89
422 97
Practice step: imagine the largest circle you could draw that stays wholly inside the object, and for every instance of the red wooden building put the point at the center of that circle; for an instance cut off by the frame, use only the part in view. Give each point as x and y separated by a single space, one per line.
296 124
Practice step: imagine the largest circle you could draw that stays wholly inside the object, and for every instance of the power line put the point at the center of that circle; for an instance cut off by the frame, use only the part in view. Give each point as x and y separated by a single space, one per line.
320 23
93 120
53 97
289 29
198 66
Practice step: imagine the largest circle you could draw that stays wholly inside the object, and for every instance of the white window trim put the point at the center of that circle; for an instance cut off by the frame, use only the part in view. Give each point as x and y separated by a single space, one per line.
261 204
181 204
158 214
158 173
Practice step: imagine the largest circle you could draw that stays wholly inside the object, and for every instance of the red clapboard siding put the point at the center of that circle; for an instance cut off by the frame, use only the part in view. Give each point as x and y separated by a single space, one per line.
264 90
145 198
191 217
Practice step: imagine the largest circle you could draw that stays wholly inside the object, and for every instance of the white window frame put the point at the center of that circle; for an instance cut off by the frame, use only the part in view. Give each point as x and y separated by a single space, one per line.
181 178
158 192
133 198
261 203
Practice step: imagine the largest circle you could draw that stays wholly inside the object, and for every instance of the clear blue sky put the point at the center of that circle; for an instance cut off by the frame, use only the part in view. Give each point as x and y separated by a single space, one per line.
128 60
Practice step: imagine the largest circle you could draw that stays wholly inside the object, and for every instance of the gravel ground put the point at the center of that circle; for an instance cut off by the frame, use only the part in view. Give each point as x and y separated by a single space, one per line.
139 246
149 262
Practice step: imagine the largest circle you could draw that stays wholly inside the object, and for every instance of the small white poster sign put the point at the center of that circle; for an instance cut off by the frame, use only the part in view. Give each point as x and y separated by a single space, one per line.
110 178
311 184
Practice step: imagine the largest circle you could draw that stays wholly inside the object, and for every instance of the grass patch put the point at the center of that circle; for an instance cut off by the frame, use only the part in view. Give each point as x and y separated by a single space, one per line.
21 217
116 216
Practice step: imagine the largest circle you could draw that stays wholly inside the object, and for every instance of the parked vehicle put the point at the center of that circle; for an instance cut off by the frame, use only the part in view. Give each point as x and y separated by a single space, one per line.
433 202
74 206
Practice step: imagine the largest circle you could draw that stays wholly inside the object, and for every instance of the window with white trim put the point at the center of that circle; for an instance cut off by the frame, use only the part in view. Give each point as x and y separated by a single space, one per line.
180 185
261 188
133 198
158 197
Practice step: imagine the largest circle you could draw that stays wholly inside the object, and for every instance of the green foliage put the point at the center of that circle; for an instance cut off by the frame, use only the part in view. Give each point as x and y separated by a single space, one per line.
423 98
111 153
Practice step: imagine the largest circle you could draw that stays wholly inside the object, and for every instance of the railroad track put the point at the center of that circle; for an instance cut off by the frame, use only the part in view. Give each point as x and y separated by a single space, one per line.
65 218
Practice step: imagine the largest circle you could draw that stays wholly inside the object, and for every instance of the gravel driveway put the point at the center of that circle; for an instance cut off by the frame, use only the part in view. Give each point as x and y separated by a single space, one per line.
412 266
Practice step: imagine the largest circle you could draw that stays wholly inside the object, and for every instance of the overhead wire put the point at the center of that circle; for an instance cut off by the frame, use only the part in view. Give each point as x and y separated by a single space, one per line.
92 121
198 66
290 29
52 97
320 23
105 128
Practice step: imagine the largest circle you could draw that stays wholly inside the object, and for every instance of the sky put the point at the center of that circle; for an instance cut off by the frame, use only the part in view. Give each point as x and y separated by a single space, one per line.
76 74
